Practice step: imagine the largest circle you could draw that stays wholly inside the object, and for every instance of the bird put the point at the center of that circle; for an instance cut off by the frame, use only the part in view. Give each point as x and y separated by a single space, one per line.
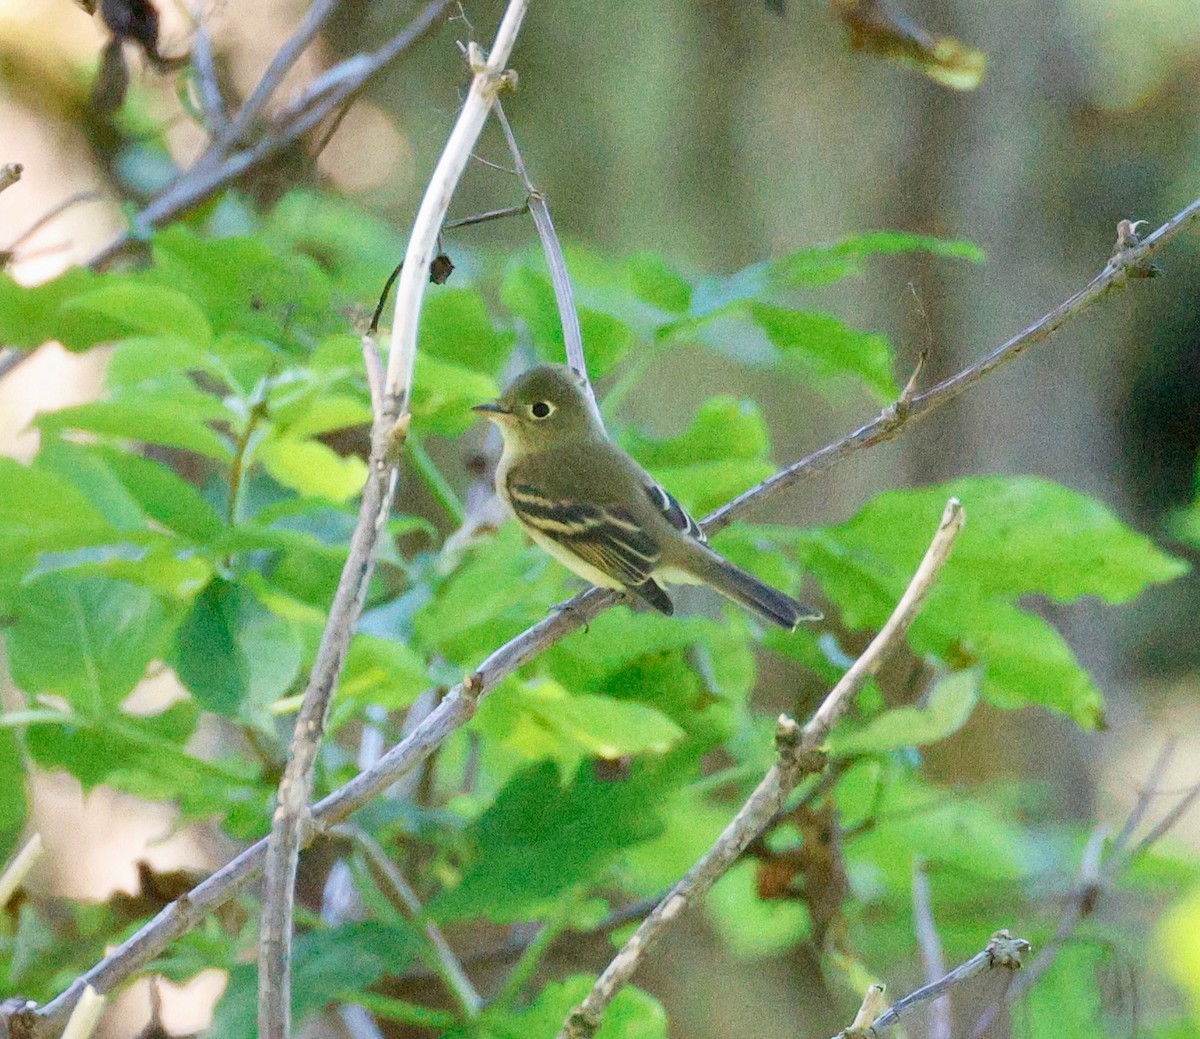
583 499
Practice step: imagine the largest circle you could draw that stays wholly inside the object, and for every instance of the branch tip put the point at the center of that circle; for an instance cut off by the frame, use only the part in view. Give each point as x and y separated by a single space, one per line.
1006 951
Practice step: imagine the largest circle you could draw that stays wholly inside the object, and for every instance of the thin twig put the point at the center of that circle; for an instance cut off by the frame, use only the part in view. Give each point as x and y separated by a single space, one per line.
1003 950
10 173
399 892
564 294
798 756
933 960
422 243
292 813
483 218
18 869
237 468
314 18
456 709
54 211
893 419
208 85
1096 877
214 170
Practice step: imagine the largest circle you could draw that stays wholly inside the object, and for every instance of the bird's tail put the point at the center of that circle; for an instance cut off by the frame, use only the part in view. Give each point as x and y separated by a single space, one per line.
734 583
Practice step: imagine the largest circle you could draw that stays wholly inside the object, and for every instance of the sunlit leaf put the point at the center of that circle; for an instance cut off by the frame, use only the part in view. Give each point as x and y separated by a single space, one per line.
312 468
946 710
147 309
1023 536
544 720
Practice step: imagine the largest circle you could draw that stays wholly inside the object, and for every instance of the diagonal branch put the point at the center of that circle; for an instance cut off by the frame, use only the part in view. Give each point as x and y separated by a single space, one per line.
459 705
1096 877
222 163
489 80
1003 950
292 813
799 756
918 406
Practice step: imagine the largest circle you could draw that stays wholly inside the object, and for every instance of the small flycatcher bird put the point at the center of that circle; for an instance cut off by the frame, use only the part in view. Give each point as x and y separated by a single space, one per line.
586 502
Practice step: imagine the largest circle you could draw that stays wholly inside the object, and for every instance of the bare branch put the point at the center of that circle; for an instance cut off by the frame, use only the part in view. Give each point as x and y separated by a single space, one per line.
292 813
214 170
314 18
10 173
399 892
1003 950
18 869
410 290
295 789
933 960
455 710
890 422
208 86
798 757
1096 876
564 294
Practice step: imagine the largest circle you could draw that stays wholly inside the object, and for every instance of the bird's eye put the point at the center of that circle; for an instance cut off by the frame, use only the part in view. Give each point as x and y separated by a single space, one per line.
542 409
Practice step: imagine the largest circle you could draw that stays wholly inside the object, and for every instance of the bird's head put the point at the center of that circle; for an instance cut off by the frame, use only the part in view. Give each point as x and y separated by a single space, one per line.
544 407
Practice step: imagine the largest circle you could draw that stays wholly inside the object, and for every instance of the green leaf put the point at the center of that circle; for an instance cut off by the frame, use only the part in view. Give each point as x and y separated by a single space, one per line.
724 427
40 511
692 824
14 805
145 756
946 710
155 359
751 925
328 966
529 294
351 246
243 285
543 720
311 468
233 654
162 494
655 283
501 587
146 309
444 393
148 419
538 840
383 672
318 411
455 327
723 452
822 264
633 1014
1024 536
825 353
30 316
89 640
83 467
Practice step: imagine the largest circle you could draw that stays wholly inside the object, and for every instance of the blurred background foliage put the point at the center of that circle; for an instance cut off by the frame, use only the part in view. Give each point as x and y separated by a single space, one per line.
693 155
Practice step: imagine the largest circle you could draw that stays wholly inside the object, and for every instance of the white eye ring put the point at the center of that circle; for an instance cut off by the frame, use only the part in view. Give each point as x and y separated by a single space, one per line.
541 409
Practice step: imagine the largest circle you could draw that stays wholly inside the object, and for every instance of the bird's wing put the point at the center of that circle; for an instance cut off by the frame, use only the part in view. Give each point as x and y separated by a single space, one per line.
675 514
607 538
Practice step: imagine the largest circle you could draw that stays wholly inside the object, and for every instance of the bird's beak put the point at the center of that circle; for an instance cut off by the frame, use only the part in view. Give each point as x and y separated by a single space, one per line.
493 412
